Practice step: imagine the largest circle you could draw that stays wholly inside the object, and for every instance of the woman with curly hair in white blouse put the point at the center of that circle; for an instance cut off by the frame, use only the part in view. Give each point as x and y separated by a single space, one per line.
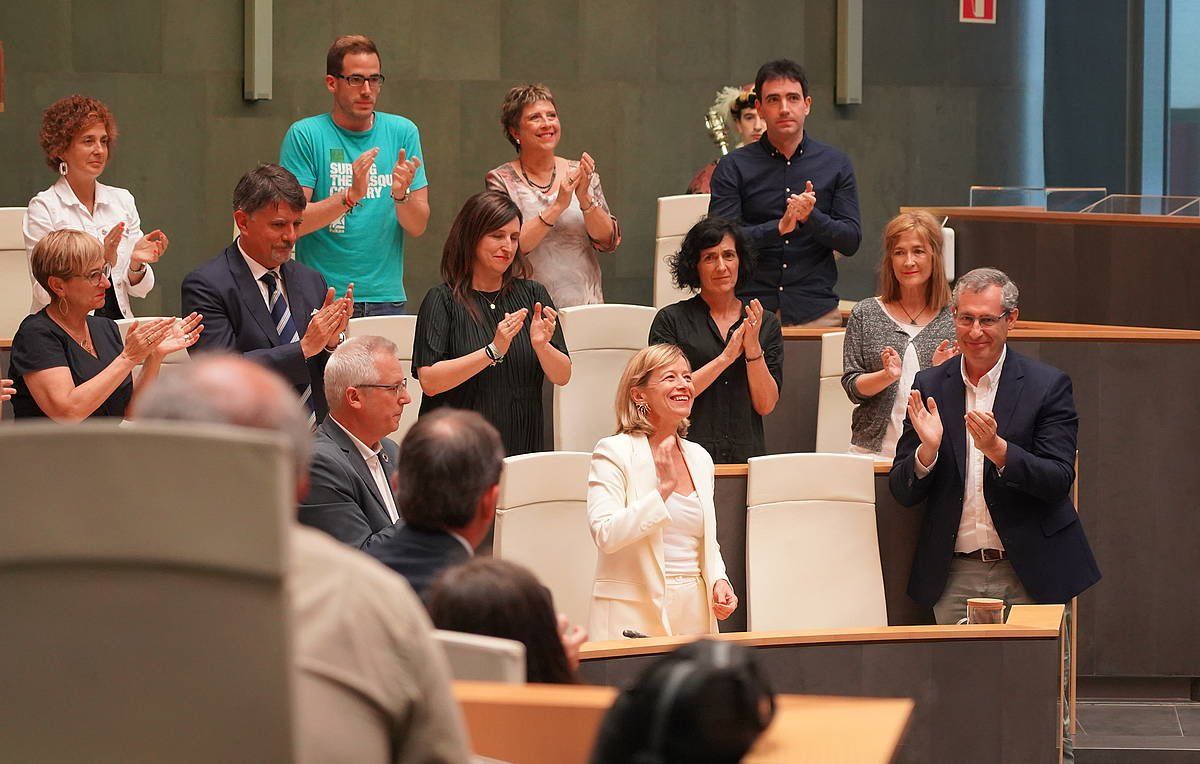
650 507
889 338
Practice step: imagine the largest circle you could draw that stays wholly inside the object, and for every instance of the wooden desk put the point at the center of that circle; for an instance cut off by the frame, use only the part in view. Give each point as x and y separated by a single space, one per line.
983 693
557 724
1137 270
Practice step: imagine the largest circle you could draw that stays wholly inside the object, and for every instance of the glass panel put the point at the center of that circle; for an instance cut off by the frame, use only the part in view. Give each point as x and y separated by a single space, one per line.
1130 204
1036 197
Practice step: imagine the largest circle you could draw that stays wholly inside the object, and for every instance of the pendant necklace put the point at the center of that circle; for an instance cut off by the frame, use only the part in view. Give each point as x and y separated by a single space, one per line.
911 318
490 297
544 189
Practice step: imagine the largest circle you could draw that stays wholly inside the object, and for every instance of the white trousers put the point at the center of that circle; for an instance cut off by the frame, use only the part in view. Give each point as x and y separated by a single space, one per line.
688 605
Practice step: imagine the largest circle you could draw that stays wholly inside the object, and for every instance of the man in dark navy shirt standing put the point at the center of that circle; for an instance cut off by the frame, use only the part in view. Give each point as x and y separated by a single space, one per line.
796 200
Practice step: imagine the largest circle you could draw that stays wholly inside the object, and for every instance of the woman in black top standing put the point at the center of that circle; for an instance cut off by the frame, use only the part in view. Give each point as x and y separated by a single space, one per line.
735 348
486 339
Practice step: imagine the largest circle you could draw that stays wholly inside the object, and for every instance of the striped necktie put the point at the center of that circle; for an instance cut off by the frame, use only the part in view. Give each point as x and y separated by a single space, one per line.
282 316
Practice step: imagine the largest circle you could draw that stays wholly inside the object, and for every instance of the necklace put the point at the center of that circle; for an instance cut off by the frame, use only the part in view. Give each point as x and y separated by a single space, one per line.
85 341
490 297
911 318
546 188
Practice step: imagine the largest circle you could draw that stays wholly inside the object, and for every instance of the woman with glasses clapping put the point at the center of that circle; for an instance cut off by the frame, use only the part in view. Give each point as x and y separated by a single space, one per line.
77 137
889 338
68 365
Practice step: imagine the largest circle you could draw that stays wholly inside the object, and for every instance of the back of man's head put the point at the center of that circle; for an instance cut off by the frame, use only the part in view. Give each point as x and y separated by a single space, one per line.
223 389
448 460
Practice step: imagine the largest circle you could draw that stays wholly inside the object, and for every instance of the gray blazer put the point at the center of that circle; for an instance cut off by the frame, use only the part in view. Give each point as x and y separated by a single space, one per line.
343 499
868 331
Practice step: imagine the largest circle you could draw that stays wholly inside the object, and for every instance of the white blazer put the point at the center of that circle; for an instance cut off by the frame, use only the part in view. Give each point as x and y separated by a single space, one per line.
57 208
627 515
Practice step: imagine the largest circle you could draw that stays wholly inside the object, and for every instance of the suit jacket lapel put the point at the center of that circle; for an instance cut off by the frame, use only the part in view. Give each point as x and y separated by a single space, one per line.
644 478
952 404
337 435
1012 379
250 293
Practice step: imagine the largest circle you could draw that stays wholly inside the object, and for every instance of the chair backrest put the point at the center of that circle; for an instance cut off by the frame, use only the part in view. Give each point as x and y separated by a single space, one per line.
145 616
812 553
16 289
541 523
602 339
400 330
477 658
834 409
676 215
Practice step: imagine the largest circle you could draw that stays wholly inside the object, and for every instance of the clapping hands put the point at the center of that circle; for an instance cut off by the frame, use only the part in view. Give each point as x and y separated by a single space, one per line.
944 352
541 328
799 207
892 363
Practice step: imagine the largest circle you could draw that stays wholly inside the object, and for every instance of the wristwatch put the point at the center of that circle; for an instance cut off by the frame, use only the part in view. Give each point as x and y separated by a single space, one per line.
495 355
340 339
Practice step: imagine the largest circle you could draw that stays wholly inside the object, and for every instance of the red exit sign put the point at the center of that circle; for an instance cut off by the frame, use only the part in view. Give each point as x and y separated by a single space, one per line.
977 11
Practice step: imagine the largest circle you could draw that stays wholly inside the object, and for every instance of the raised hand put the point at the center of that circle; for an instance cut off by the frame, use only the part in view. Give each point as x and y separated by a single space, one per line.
664 467
182 335
892 363
360 176
736 344
144 336
112 243
508 328
565 189
981 426
723 599
324 325
571 636
541 327
791 215
944 352
587 168
928 425
6 389
150 247
806 202
347 298
403 173
750 339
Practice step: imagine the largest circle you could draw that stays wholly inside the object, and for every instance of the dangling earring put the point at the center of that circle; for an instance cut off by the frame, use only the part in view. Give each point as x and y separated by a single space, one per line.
518 140
642 409
62 168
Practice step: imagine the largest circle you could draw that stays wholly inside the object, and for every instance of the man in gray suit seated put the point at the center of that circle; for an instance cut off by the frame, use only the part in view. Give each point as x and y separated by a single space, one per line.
350 493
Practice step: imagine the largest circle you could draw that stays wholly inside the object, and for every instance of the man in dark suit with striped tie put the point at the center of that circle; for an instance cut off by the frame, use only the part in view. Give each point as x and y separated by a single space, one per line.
259 302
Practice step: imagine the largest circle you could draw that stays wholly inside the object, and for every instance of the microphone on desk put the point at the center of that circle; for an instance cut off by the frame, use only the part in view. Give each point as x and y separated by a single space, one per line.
633 634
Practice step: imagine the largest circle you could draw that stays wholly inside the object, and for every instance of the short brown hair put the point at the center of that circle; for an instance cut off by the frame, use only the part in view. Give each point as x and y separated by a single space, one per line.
514 105
343 46
937 291
63 253
68 117
637 374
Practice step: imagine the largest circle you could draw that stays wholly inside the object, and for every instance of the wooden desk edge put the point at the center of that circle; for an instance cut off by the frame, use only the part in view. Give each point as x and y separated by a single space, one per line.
1032 626
1038 215
1046 330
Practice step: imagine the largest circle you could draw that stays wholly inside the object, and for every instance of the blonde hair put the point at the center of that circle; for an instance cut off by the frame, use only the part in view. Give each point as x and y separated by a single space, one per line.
937 291
514 106
637 374
63 253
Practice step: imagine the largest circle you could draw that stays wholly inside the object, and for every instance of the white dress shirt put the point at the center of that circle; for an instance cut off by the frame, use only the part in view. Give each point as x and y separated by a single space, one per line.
371 457
975 529
57 208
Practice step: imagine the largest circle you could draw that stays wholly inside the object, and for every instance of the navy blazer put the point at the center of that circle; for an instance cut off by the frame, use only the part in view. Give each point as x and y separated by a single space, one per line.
236 319
1030 503
419 555
343 499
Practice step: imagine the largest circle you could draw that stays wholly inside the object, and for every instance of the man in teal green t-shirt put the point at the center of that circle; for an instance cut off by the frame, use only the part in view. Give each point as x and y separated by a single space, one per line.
362 173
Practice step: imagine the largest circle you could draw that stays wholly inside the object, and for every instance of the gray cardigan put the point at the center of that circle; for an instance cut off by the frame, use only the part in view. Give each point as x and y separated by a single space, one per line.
868 331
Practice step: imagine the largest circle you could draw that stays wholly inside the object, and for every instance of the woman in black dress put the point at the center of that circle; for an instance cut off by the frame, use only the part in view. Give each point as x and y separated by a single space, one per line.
735 347
472 349
68 365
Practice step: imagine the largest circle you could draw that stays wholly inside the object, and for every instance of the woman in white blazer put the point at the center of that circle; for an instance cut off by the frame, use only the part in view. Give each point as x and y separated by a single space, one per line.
650 508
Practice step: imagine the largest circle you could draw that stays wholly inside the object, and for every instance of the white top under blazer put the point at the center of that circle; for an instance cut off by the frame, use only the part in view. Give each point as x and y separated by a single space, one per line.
627 516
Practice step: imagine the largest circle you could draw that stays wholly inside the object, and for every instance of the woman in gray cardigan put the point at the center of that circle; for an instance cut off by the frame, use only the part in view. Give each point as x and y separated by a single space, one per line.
889 338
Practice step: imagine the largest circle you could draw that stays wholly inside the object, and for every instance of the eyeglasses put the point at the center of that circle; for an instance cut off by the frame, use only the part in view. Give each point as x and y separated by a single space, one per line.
96 277
393 389
357 80
985 322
